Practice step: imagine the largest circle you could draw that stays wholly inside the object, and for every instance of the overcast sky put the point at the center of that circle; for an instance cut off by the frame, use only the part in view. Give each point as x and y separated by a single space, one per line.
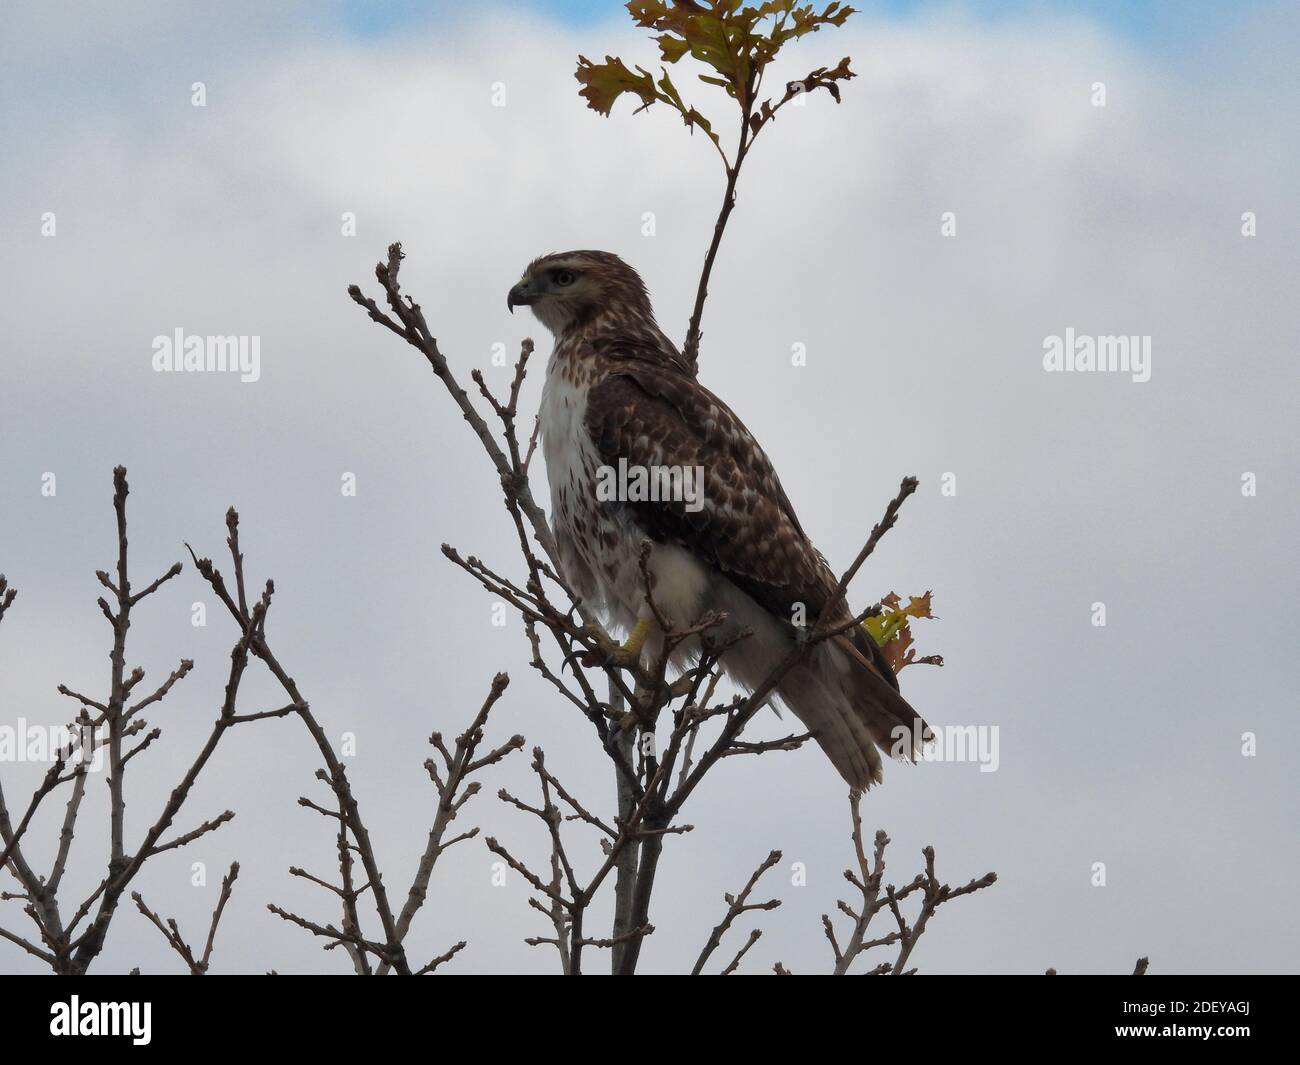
1120 744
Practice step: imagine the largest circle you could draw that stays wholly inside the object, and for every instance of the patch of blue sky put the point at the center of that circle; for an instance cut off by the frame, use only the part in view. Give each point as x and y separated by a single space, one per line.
1158 23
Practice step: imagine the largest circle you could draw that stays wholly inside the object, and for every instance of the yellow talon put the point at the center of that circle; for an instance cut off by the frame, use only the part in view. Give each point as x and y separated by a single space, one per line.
627 654
636 641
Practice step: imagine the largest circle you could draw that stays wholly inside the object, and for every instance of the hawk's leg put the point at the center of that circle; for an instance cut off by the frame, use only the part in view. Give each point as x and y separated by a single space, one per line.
625 655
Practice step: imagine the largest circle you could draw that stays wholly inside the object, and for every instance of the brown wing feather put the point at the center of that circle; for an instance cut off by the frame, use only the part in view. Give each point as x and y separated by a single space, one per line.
746 527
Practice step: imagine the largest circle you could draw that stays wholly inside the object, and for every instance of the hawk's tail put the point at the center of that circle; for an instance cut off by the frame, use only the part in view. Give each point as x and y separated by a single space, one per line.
846 695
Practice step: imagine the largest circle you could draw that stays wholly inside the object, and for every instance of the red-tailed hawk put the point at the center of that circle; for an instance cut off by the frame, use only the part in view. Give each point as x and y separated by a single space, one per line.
621 409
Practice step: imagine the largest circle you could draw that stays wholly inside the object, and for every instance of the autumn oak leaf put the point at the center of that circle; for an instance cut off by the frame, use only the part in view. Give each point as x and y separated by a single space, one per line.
891 629
603 83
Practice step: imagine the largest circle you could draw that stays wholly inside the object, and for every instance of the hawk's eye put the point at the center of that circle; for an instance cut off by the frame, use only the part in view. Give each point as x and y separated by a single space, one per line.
564 277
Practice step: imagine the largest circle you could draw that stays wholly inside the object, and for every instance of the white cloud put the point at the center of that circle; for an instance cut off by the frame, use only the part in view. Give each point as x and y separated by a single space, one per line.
1117 744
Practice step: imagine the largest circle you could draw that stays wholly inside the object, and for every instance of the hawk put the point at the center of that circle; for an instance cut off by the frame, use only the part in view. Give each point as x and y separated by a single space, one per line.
619 395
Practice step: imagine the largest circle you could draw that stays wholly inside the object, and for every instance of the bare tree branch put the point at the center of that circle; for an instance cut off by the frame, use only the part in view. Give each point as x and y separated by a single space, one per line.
738 904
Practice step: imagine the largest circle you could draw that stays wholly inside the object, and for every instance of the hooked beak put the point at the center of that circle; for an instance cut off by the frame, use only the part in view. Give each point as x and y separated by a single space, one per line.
522 295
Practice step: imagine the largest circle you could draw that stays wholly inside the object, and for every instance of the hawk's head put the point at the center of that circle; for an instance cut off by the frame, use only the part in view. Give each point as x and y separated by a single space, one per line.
570 288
